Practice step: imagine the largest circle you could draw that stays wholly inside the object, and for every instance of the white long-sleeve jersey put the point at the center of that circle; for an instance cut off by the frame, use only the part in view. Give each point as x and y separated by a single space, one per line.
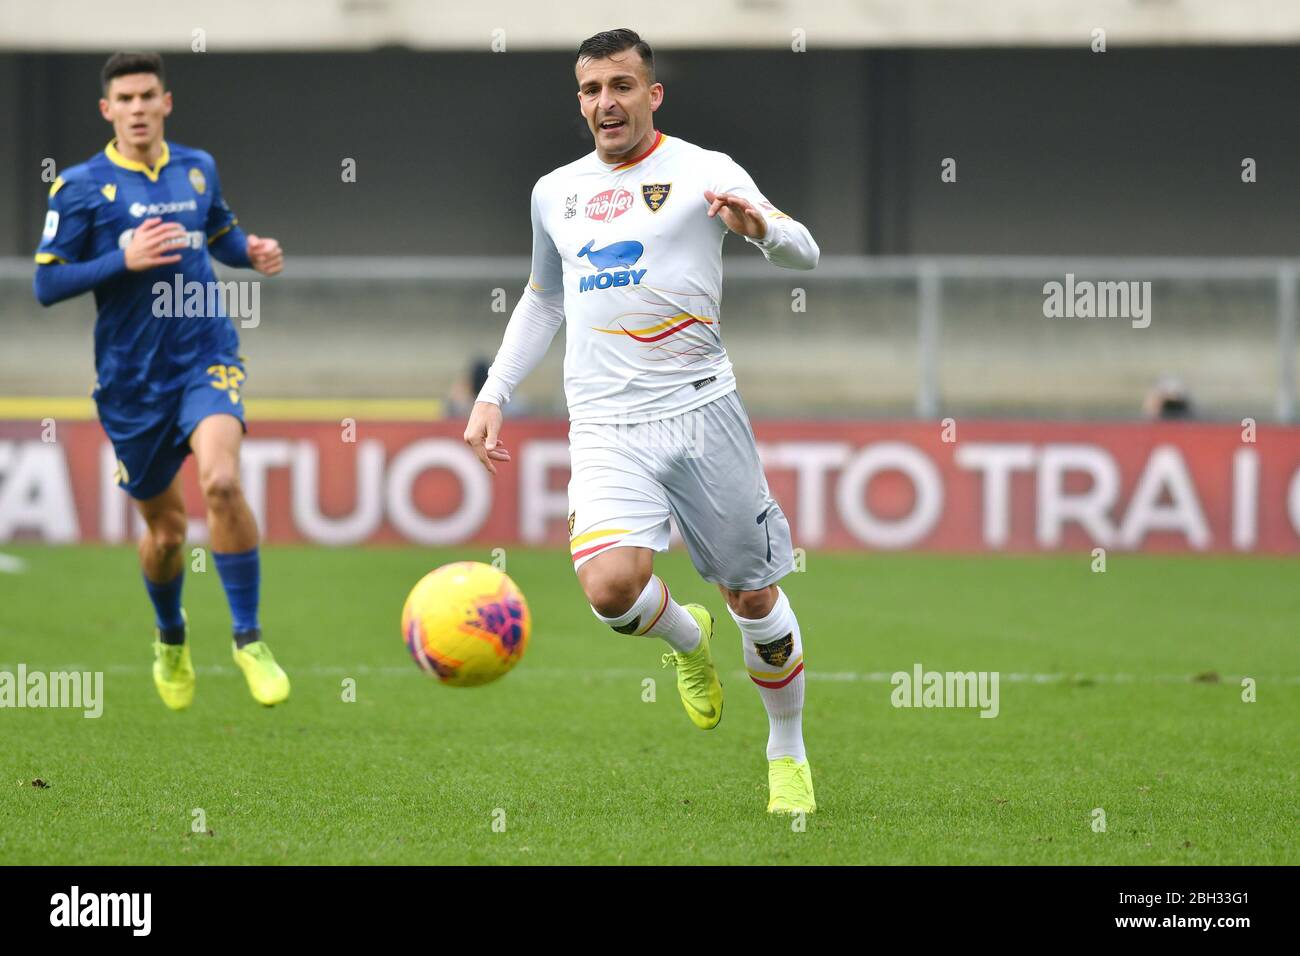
628 254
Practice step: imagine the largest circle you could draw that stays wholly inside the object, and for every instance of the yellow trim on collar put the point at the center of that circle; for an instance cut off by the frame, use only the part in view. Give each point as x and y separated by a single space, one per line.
117 159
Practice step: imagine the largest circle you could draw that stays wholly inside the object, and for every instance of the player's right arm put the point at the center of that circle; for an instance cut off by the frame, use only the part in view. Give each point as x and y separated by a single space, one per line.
62 271
532 326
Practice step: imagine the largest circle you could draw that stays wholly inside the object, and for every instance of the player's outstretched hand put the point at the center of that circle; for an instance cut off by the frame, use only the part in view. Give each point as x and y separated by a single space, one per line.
481 435
265 255
150 243
738 214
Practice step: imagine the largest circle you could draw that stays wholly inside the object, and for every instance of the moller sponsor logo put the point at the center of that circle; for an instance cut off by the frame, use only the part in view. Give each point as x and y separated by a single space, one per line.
609 204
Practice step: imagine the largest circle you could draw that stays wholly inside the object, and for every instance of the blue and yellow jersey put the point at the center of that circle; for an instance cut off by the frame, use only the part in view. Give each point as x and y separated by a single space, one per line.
94 209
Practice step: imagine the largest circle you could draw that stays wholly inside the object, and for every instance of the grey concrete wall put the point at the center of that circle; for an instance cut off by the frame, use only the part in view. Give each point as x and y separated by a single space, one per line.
1058 151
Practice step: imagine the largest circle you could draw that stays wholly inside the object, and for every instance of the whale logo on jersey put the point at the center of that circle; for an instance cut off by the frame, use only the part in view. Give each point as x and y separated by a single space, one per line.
625 253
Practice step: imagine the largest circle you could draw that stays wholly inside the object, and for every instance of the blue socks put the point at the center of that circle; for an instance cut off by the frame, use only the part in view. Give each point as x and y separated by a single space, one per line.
241 576
166 599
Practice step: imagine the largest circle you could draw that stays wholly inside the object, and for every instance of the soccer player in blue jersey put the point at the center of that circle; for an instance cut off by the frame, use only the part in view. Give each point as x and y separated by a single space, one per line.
142 215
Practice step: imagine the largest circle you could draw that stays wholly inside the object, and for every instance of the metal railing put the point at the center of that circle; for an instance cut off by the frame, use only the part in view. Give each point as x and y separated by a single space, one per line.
979 338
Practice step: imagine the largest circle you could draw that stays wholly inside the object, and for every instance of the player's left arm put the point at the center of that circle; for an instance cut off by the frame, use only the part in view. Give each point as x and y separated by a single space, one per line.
229 244
748 213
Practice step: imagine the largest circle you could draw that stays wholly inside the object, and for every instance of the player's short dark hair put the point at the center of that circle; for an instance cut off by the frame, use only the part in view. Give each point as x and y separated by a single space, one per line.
124 64
606 44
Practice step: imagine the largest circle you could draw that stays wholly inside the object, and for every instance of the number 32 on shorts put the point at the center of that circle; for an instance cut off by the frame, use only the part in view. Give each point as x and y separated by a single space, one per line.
227 378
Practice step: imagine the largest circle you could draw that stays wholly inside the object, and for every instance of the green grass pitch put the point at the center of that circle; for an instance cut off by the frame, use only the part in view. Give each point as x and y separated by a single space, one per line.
1120 691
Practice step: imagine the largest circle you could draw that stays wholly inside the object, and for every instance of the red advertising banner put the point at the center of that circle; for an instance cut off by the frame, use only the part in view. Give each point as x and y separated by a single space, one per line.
969 486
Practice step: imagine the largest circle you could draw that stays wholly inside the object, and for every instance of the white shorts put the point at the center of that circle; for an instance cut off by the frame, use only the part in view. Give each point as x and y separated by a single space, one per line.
702 469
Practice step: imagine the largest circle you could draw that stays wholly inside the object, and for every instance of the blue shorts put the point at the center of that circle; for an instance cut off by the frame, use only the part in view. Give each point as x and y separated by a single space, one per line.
151 433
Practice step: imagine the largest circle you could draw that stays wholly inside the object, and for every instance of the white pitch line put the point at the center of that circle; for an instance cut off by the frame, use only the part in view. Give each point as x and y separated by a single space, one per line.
12 564
622 673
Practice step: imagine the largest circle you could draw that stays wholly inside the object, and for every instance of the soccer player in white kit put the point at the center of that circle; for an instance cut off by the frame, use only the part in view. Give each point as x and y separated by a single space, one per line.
627 245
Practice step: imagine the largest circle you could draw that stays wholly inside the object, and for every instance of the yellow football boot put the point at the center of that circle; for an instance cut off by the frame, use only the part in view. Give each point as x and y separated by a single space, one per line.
789 786
173 674
697 679
268 684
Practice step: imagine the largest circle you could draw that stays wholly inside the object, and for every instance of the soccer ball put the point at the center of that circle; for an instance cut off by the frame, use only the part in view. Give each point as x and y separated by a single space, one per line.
466 623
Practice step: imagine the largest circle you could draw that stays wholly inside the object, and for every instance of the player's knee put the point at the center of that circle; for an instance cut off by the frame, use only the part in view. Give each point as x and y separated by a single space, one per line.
167 533
221 489
611 595
752 604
